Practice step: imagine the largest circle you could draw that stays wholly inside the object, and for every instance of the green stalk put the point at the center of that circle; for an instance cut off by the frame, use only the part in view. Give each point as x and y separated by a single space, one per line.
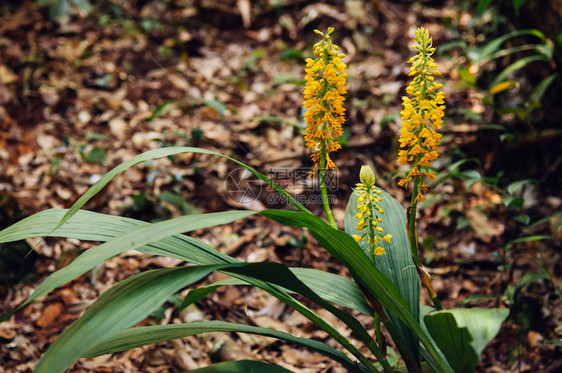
323 189
371 236
412 222
412 234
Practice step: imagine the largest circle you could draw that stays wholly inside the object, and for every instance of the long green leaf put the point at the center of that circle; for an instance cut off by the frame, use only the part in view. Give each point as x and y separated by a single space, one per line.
131 240
279 274
160 153
178 246
201 292
242 366
344 248
333 288
516 66
540 90
453 340
481 53
329 286
142 336
122 306
482 324
397 263
133 299
92 226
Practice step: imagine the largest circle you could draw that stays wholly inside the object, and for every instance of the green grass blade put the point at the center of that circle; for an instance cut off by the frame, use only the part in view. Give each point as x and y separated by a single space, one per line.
396 264
142 336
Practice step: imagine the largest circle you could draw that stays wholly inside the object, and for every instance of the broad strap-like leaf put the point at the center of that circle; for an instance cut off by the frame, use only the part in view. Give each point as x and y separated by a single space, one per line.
177 246
396 263
483 324
135 298
131 240
93 226
453 341
142 336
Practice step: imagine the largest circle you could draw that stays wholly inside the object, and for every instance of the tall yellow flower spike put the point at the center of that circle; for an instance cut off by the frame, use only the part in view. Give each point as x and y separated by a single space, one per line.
367 202
421 117
323 94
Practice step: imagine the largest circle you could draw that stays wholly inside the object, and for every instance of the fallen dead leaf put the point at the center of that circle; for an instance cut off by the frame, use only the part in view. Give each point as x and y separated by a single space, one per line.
482 225
7 330
245 9
6 75
50 314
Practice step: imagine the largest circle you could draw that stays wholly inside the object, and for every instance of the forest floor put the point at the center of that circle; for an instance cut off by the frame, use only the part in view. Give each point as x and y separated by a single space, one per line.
80 96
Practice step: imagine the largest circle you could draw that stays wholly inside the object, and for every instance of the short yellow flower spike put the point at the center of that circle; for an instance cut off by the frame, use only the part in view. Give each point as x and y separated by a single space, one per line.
323 94
421 117
367 202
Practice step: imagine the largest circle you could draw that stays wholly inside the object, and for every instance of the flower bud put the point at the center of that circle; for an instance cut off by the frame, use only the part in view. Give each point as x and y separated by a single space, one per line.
366 175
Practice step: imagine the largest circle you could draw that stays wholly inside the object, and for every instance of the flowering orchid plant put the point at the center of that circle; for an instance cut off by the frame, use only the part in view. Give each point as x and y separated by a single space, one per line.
378 247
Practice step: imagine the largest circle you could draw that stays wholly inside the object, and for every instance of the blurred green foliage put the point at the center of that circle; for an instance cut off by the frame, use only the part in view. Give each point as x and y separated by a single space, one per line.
60 8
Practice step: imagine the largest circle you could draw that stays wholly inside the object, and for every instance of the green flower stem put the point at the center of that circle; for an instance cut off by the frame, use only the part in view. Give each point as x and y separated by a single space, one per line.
371 236
323 189
412 234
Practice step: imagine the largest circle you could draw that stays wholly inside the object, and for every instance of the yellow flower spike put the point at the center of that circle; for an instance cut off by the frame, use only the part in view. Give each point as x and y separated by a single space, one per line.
421 116
323 94
367 205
